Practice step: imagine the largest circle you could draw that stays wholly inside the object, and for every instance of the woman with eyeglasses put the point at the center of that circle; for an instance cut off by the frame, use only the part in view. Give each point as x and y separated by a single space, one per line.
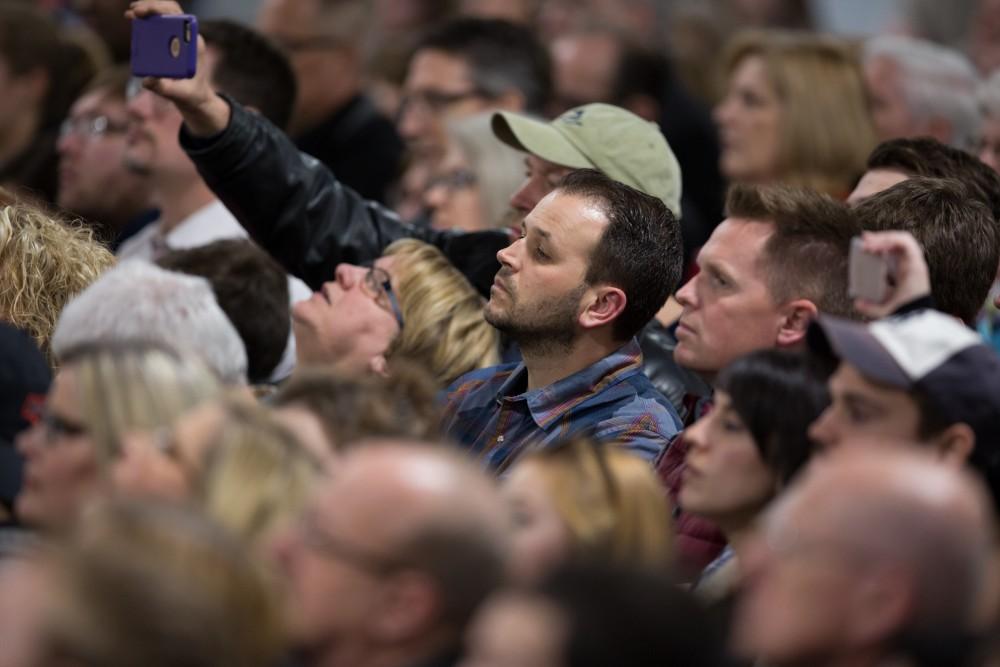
100 393
746 450
410 303
584 501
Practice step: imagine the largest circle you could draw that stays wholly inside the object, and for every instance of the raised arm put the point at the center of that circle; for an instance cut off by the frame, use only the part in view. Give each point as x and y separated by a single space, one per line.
290 203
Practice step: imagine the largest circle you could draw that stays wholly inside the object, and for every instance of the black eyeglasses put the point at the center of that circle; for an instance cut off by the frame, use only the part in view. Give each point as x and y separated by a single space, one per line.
377 284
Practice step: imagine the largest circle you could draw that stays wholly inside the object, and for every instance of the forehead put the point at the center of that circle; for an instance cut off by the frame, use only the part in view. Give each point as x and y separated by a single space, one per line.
751 70
572 222
737 244
97 103
437 70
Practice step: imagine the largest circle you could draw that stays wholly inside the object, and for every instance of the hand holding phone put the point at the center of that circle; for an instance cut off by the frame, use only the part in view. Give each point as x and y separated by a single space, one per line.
886 271
165 46
205 113
870 275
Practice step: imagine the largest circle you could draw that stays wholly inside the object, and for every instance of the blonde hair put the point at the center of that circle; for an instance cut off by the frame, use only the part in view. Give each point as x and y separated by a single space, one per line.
611 500
444 328
255 474
134 386
159 586
827 132
43 263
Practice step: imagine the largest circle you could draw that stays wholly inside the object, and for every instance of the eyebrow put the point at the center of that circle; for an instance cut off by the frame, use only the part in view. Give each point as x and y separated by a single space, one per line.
712 265
538 230
859 401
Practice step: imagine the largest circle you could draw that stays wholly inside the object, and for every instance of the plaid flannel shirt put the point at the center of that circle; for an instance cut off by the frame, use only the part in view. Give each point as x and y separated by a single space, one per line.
489 412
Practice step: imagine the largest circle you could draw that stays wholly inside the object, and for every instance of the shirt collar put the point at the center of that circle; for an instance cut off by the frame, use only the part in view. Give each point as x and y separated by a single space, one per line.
547 404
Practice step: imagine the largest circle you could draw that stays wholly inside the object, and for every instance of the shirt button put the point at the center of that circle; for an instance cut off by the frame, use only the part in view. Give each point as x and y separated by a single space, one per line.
500 439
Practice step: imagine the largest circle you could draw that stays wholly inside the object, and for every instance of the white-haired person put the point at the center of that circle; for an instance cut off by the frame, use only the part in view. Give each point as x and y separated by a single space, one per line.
139 301
921 89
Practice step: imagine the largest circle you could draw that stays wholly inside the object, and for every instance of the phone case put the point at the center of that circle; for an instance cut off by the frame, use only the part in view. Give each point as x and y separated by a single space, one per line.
165 46
868 274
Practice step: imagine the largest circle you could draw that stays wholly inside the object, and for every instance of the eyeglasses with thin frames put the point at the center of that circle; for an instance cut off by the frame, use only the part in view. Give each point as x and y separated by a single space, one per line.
91 127
378 285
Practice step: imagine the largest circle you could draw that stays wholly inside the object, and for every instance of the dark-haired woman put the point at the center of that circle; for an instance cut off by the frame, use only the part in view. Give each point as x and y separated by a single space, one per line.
746 450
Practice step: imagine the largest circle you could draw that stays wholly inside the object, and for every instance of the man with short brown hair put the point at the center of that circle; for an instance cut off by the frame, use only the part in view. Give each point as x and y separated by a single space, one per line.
957 231
778 259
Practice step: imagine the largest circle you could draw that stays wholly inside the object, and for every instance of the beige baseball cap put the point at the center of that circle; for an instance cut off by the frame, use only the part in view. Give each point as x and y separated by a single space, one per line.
610 139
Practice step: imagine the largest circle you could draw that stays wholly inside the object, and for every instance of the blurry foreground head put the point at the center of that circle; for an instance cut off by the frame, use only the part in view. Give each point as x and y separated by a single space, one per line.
593 616
849 568
158 586
330 413
233 459
590 502
393 555
101 393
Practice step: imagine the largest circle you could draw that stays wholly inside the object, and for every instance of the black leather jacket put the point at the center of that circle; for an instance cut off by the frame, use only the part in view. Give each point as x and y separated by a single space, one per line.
297 210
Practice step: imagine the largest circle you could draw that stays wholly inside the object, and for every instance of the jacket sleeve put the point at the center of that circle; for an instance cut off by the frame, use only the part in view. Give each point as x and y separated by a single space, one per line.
296 209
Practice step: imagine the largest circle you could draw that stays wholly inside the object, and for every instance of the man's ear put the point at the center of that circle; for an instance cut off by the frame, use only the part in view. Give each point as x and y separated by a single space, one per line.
606 304
379 365
796 316
955 444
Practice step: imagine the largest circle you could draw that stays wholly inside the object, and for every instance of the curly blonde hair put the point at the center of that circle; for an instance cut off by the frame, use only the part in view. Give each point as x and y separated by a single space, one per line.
44 261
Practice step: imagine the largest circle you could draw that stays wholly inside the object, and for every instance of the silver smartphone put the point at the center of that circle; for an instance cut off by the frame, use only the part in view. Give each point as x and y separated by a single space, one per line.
869 275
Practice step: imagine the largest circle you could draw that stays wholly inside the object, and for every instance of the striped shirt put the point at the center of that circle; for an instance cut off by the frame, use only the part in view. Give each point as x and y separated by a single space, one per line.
490 412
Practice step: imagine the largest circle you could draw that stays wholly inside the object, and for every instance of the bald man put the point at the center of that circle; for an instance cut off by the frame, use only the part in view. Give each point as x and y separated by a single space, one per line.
392 557
876 557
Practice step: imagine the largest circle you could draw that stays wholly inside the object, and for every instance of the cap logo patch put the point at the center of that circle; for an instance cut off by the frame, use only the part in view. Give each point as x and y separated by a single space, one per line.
573 117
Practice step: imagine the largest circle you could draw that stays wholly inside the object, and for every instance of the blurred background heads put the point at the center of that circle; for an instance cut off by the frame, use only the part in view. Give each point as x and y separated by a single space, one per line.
920 89
778 123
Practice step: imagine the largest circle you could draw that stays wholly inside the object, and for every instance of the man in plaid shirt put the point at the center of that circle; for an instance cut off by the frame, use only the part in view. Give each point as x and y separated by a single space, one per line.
595 262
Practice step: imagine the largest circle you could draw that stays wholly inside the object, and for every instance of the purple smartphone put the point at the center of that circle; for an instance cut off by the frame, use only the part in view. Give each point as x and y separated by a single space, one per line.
165 46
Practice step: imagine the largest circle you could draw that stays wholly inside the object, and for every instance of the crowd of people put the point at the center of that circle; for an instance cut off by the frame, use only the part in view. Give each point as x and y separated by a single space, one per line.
420 333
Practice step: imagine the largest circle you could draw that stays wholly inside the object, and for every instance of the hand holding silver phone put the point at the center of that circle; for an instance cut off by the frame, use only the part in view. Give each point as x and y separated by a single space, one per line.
870 276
